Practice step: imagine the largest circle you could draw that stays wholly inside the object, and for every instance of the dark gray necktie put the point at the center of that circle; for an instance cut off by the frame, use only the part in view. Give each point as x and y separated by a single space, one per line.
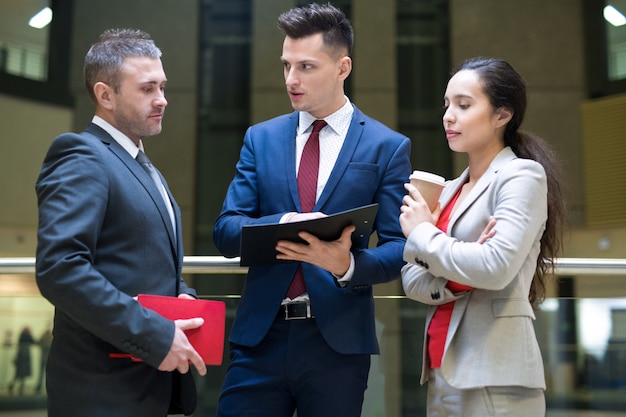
142 158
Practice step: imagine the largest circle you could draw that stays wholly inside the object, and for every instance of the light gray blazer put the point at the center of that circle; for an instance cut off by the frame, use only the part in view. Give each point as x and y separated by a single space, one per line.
491 339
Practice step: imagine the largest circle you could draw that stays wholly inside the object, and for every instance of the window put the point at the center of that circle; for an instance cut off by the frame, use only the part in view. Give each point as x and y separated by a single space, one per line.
34 62
615 24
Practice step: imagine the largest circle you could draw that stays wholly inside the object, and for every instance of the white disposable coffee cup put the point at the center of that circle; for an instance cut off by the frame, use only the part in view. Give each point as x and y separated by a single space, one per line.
429 185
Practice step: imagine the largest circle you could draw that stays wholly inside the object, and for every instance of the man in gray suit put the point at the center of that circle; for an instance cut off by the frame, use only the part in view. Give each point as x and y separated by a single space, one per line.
109 231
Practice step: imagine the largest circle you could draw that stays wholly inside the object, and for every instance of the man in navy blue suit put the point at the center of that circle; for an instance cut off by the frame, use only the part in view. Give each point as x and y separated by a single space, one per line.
108 232
310 351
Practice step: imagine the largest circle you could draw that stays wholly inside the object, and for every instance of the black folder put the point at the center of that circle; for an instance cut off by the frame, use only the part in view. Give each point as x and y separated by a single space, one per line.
258 242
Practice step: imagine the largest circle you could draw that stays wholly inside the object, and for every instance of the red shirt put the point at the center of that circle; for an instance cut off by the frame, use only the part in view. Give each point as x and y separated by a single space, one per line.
438 328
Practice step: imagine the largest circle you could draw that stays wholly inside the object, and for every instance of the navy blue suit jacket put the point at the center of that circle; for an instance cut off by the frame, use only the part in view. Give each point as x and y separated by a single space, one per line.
372 167
105 236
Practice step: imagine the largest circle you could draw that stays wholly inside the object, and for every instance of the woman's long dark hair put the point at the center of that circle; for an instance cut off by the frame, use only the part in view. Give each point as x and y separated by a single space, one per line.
506 89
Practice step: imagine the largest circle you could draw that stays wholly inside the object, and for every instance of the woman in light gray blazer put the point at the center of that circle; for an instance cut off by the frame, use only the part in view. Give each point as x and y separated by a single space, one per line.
480 258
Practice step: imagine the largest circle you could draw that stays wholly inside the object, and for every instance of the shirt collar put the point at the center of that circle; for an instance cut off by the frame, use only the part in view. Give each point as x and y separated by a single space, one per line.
119 137
339 121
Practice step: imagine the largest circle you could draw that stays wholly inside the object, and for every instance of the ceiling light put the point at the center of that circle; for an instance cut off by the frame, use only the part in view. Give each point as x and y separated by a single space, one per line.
41 19
614 16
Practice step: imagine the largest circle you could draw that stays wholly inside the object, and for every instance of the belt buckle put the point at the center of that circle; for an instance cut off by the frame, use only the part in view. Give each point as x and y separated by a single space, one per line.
308 314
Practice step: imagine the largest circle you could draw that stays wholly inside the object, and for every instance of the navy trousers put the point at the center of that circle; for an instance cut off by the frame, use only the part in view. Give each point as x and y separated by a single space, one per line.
293 369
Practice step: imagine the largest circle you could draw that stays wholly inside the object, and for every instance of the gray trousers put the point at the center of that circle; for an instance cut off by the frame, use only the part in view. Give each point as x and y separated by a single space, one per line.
514 401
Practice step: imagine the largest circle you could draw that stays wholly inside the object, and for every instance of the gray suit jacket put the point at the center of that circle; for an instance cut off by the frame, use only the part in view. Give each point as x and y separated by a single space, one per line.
491 339
105 236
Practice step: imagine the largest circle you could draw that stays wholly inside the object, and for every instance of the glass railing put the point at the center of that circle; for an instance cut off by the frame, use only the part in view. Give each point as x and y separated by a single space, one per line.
581 330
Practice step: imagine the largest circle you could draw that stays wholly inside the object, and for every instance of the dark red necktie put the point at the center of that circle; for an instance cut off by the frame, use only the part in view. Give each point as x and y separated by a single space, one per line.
307 190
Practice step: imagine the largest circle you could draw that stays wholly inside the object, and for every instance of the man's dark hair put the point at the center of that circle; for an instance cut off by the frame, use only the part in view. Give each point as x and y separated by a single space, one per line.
326 19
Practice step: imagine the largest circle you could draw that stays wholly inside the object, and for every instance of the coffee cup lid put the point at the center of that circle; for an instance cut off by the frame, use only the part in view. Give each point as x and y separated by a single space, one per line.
428 176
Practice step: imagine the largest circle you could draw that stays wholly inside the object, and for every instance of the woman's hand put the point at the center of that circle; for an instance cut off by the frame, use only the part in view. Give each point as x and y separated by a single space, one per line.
414 211
488 232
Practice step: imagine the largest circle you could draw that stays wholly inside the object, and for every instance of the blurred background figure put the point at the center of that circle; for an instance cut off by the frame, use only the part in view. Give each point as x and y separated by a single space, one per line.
23 367
44 342
5 359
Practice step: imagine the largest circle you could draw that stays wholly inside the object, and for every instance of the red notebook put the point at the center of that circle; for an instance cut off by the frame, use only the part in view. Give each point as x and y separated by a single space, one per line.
207 339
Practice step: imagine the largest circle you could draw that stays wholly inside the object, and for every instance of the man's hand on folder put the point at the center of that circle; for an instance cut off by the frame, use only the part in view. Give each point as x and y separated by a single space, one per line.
181 352
186 297
333 256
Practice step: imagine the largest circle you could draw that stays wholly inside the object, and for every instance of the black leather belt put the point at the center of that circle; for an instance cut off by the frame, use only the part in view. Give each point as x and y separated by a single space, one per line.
295 311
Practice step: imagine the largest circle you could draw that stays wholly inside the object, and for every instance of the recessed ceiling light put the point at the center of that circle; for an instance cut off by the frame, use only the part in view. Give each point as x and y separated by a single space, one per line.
41 19
614 16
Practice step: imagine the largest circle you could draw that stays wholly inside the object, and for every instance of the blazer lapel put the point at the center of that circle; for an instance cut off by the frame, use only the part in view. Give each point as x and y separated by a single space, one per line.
143 177
504 156
353 136
289 139
452 187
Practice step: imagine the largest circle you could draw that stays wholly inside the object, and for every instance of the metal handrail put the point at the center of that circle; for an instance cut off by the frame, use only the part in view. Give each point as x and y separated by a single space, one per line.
191 265
222 265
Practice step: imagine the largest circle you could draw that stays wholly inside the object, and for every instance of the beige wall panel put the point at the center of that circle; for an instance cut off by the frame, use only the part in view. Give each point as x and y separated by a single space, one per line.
268 95
596 243
555 116
374 51
28 128
374 66
604 147
543 40
268 104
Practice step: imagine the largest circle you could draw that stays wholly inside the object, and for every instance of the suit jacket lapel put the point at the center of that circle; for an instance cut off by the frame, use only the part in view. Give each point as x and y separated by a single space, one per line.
143 177
500 160
289 138
452 187
345 156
